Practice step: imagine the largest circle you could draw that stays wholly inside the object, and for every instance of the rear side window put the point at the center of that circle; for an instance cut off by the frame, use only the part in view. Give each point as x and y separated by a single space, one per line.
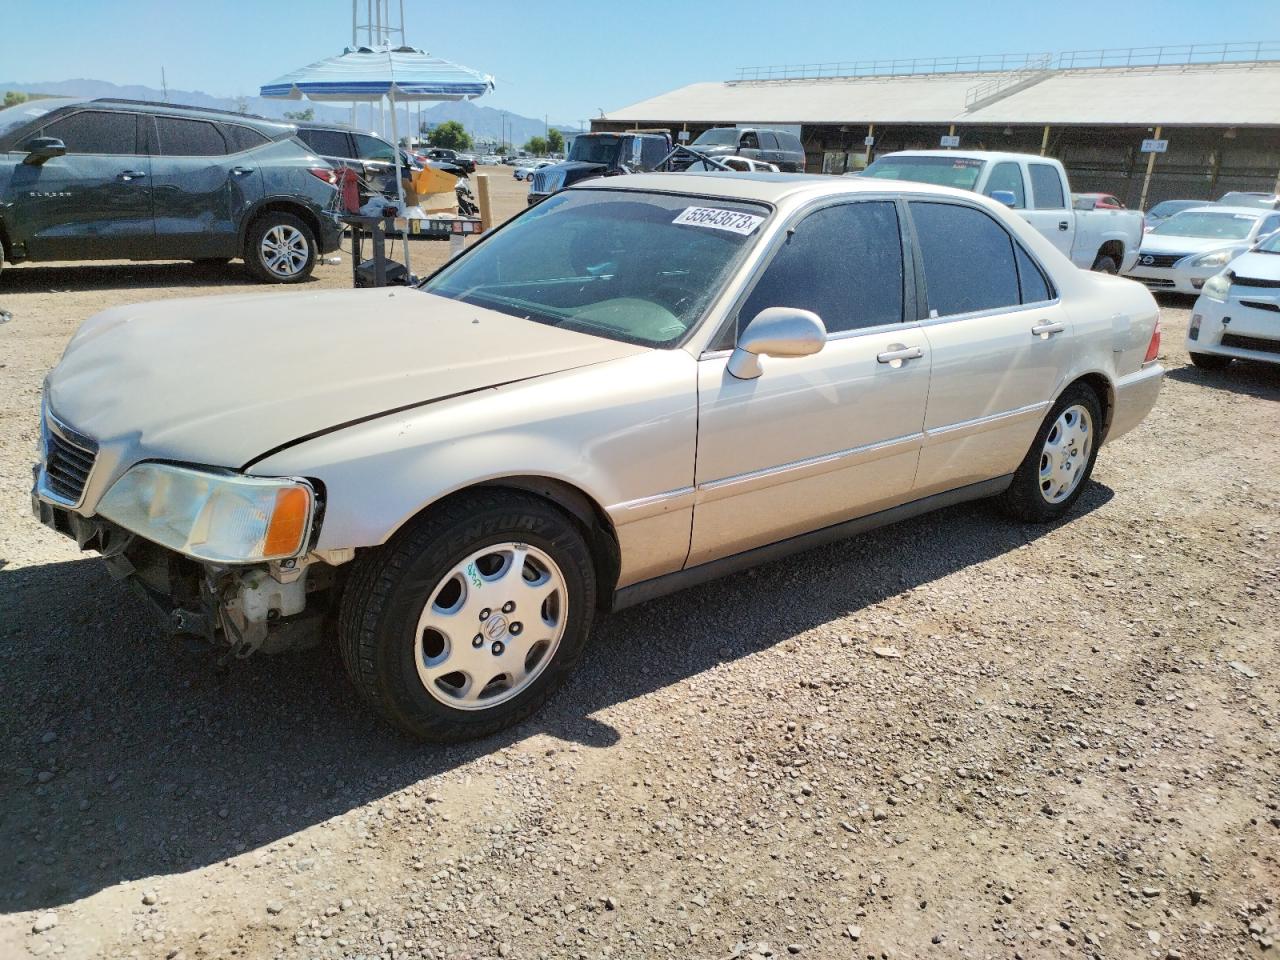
768 141
1046 186
790 141
1008 176
968 259
1031 279
96 131
327 143
242 138
844 263
189 138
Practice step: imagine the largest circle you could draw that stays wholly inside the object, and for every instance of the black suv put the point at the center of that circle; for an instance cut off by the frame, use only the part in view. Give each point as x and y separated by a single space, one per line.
778 147
123 179
603 155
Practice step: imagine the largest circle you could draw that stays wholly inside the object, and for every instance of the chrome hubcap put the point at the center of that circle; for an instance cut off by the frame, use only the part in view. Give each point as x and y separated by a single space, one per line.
1065 454
491 626
284 250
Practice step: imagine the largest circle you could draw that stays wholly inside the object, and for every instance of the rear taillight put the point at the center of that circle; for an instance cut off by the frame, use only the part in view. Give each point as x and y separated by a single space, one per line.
324 173
1153 348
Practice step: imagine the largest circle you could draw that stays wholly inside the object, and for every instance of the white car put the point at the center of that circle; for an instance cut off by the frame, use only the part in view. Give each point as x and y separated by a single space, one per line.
734 163
1184 251
527 170
1238 313
637 385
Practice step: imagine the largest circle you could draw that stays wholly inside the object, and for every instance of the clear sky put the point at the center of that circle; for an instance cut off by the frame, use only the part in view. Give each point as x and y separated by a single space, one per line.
569 58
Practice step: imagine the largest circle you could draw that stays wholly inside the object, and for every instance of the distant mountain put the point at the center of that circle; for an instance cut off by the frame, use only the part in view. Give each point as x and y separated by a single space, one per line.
482 122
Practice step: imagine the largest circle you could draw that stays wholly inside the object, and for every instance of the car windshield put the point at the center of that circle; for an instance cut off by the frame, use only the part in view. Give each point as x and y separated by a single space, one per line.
1211 226
959 172
630 266
1167 208
596 150
19 115
721 136
1264 201
1270 245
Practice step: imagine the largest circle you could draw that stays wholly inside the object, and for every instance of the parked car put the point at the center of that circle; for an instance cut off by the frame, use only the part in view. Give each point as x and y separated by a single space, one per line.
466 163
1238 313
1181 253
603 155
778 147
1242 198
638 385
737 164
372 158
114 179
527 169
1037 187
1166 209
1096 201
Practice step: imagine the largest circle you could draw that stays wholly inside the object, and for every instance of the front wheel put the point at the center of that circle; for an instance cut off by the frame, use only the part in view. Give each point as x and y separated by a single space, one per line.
1105 264
469 619
280 248
1055 470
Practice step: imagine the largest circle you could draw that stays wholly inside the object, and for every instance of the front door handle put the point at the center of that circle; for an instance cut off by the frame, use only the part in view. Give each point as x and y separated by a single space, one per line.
1064 225
241 171
1046 330
127 175
897 353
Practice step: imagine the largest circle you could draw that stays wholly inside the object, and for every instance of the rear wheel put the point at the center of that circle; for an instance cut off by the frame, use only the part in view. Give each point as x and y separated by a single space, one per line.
1055 470
280 248
1105 264
1210 361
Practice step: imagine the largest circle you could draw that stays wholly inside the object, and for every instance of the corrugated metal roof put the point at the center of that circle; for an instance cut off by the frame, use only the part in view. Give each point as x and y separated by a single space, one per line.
1220 95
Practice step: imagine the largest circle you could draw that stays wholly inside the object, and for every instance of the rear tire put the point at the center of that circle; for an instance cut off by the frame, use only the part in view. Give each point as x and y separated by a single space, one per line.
1210 361
280 248
1057 468
1105 265
450 637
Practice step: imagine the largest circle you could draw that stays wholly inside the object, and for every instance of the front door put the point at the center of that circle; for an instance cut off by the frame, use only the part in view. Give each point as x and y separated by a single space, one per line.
1000 341
92 204
199 192
819 439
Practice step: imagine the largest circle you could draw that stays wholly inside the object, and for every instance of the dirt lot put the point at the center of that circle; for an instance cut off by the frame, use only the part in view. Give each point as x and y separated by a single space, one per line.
1072 750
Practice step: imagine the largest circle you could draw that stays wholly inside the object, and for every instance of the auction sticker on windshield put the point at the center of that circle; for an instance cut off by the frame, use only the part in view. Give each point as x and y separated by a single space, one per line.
717 219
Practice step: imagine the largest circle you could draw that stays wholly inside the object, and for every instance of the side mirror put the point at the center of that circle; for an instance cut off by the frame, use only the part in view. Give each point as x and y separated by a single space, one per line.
43 148
1007 197
776 332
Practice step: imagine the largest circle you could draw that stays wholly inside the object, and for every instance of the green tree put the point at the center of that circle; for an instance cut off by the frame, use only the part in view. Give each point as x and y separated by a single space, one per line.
555 141
302 115
536 145
12 98
451 135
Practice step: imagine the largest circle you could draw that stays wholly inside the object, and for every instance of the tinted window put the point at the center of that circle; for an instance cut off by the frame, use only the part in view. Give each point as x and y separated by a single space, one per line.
959 172
768 141
241 138
1046 186
968 259
1270 225
1035 288
750 142
372 148
790 141
652 151
189 138
844 263
1008 176
327 143
96 132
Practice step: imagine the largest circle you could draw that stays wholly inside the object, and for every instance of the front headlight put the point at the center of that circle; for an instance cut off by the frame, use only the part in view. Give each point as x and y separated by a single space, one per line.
1217 287
1215 258
222 518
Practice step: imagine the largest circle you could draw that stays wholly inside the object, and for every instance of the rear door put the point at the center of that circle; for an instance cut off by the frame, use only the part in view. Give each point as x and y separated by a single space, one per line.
92 204
200 191
1000 341
769 151
1049 209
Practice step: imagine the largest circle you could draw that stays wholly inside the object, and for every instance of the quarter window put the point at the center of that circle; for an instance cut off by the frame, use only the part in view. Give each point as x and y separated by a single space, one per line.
1046 186
844 263
327 143
968 259
242 138
1008 176
1035 288
96 131
189 138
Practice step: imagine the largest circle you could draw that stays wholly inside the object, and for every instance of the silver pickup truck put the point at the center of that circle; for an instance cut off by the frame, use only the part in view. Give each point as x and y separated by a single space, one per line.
1037 188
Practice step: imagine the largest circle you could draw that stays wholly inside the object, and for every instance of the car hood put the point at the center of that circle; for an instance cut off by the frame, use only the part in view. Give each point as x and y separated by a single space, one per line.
222 380
1159 244
1260 266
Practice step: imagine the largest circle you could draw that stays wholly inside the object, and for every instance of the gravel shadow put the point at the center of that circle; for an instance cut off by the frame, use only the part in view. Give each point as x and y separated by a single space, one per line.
122 757
127 276
1248 377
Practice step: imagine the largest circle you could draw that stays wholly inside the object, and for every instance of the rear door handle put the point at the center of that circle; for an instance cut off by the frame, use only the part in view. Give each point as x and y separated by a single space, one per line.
1064 225
127 175
241 171
1046 330
897 354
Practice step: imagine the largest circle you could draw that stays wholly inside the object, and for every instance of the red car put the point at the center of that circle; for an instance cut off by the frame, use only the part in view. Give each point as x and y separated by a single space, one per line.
1096 201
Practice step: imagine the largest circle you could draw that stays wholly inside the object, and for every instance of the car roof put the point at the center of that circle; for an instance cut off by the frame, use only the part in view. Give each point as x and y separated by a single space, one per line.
762 186
275 128
1225 208
996 155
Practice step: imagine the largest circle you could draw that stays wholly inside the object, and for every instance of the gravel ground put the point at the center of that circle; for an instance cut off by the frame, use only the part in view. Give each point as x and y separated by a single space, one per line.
956 737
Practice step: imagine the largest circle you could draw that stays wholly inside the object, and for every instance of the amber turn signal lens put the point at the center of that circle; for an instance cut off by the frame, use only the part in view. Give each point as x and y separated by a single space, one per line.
288 523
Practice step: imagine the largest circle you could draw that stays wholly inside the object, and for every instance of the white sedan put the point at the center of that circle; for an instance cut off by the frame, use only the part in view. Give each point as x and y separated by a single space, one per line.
1238 313
527 171
1184 251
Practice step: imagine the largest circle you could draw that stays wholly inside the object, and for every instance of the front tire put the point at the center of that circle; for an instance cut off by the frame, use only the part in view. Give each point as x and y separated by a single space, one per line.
467 620
1105 264
280 248
1210 361
1056 469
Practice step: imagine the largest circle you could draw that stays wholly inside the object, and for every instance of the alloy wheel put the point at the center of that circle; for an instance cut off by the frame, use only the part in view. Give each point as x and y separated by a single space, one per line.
1066 453
284 250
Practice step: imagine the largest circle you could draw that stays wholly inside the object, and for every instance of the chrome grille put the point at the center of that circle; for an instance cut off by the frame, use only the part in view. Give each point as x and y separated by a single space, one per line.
68 461
1159 259
547 180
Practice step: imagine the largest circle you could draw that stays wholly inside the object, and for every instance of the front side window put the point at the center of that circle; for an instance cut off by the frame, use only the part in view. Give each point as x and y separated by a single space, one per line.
1046 186
959 172
189 138
626 265
968 259
1008 176
750 141
373 148
96 131
844 263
